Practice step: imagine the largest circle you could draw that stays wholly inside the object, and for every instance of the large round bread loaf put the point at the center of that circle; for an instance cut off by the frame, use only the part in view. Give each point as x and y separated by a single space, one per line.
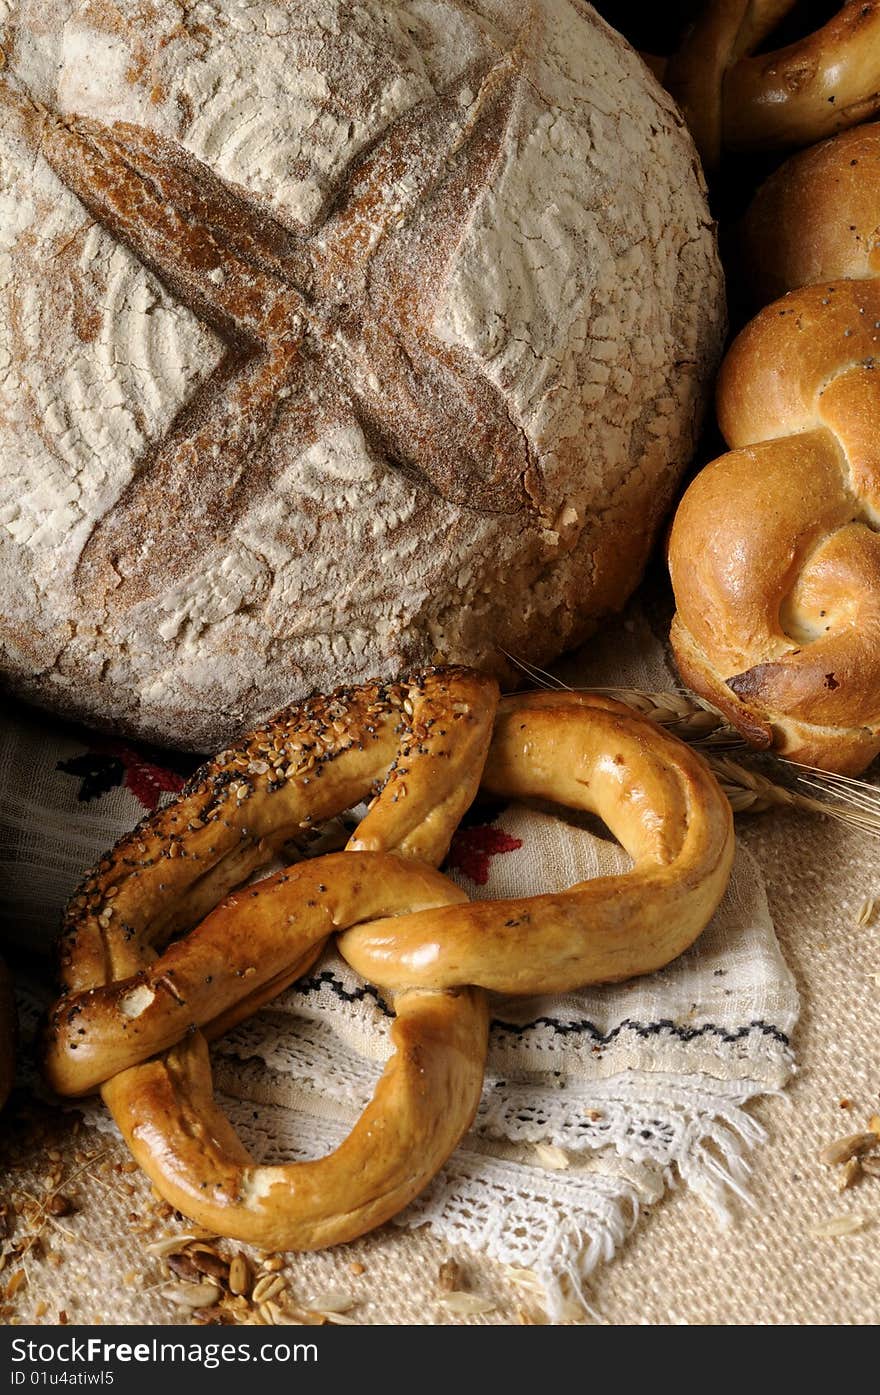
335 337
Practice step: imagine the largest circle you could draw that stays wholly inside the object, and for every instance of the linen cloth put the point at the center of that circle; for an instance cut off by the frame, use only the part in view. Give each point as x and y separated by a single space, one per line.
630 1084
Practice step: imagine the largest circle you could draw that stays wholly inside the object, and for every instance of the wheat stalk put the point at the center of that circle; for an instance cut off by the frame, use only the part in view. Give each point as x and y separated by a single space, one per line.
690 718
749 790
694 720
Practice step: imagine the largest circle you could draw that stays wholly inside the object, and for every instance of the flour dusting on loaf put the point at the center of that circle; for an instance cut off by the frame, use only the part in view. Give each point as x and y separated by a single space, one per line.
334 338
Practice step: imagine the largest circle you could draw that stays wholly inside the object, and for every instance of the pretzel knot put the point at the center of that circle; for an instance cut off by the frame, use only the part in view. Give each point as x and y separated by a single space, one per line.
733 96
775 550
139 1004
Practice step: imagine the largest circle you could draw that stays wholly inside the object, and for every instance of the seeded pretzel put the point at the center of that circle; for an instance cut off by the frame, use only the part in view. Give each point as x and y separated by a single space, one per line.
733 96
423 741
416 931
774 551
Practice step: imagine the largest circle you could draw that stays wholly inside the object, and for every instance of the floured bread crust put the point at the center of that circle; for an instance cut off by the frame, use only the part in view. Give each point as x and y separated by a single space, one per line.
334 337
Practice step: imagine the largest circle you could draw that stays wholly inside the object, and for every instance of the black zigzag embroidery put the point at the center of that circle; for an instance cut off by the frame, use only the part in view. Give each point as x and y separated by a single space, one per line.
327 979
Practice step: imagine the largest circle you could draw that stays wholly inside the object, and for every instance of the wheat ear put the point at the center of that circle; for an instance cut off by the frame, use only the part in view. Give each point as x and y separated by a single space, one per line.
749 790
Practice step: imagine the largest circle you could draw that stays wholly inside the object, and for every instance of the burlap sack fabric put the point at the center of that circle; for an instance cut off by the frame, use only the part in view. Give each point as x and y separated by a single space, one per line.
677 1267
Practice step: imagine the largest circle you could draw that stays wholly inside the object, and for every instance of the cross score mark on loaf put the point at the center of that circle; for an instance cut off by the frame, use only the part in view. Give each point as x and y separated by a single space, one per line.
336 324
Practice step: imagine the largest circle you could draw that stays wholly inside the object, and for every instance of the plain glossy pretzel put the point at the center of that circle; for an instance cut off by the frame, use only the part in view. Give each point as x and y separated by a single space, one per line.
655 794
733 97
585 752
775 549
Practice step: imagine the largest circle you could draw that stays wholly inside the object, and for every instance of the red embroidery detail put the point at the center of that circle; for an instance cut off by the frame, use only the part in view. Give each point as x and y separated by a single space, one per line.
472 849
109 765
146 781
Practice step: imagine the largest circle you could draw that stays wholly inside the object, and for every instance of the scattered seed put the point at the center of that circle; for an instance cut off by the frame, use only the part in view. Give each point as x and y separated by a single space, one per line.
15 1283
357 1268
282 1318
334 1301
466 1303
278 1317
449 1275
524 1278
837 1225
849 1174
551 1156
272 1264
866 911
338 1319
210 1263
293 1313
267 1287
168 1245
874 1124
183 1267
239 1275
842 1149
192 1295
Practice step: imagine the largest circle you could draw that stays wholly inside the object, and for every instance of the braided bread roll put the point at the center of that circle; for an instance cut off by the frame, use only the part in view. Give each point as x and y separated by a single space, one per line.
774 551
816 218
